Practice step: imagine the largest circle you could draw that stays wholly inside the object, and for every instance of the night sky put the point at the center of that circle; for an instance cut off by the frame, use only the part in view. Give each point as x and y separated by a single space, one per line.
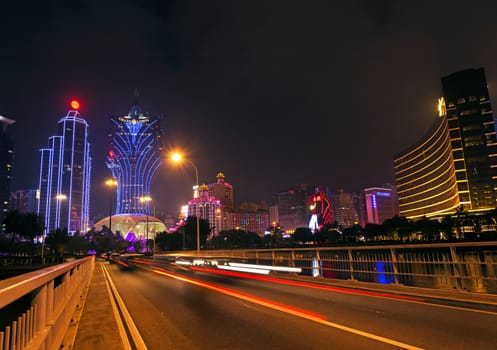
271 93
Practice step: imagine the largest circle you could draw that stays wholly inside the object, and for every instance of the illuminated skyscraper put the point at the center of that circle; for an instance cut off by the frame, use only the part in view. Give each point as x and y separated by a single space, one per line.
133 159
472 135
344 208
455 164
64 182
292 207
6 165
24 201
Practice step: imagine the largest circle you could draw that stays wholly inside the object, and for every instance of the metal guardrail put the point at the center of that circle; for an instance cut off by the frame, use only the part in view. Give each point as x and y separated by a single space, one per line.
53 294
469 266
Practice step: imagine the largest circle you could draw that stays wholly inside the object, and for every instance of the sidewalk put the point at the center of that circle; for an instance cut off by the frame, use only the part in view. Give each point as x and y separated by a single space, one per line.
97 327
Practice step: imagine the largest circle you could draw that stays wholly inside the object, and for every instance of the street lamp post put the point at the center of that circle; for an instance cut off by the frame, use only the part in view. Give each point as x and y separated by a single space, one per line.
111 183
176 157
143 200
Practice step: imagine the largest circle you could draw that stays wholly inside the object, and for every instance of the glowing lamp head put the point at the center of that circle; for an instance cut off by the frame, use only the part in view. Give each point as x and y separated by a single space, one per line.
75 105
176 157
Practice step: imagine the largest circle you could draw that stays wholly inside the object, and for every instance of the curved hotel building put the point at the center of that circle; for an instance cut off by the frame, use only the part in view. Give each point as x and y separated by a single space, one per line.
455 163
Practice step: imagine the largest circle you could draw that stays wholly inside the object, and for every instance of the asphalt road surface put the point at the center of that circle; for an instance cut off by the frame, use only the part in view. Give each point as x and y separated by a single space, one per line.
179 308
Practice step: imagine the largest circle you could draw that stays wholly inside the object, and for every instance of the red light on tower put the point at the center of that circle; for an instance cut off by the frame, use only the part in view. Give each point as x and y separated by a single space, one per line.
75 104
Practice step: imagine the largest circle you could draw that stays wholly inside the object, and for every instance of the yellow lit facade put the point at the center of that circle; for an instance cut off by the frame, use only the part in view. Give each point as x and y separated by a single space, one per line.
425 175
455 164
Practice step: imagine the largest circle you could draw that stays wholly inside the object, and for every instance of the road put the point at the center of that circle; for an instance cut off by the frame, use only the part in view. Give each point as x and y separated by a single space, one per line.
177 308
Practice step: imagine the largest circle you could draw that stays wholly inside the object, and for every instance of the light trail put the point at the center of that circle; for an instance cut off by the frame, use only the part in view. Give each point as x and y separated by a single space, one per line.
307 284
305 314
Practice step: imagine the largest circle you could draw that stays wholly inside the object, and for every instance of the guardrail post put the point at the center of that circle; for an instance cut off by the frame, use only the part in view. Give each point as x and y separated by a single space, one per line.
50 301
40 300
319 268
455 266
394 263
351 264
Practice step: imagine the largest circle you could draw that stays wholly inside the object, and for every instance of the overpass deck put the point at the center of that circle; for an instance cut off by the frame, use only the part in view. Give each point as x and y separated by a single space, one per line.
96 324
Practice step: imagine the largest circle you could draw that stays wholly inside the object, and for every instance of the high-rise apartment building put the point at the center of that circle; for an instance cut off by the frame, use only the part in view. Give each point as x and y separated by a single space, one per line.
455 164
24 201
292 207
345 211
6 165
64 182
223 191
250 217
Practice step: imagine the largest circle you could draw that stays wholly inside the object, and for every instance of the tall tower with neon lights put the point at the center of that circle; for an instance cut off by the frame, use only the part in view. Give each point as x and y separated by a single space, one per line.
134 158
6 164
64 181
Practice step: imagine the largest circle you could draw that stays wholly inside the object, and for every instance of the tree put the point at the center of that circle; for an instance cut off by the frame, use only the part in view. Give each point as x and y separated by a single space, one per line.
32 226
12 224
461 217
190 231
447 226
302 235
327 235
372 231
430 229
26 225
352 234
78 244
398 227
57 241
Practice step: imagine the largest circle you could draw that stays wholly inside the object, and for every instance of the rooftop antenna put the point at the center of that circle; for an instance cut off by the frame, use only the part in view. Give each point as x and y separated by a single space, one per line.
136 94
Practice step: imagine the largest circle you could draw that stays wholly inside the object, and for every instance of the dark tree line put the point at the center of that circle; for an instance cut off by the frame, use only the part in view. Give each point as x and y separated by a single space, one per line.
21 230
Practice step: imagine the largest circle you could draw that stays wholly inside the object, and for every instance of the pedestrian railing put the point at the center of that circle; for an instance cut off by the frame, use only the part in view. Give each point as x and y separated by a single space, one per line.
47 299
455 266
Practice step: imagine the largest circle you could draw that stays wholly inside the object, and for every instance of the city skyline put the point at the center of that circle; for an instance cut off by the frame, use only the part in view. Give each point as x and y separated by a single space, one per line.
323 94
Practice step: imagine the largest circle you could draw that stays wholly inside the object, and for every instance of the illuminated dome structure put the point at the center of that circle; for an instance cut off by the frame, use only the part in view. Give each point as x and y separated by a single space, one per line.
133 225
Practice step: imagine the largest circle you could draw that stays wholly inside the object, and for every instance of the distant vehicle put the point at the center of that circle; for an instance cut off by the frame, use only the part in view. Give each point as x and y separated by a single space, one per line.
114 258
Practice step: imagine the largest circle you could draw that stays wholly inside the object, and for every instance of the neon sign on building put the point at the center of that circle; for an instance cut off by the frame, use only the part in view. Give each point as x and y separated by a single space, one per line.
321 209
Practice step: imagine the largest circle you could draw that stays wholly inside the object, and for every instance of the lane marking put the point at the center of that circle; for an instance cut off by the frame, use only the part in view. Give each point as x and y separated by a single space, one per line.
458 308
311 316
115 311
135 334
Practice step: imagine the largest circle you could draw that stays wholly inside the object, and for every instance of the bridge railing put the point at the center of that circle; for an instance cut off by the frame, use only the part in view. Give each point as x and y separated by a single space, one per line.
47 299
470 266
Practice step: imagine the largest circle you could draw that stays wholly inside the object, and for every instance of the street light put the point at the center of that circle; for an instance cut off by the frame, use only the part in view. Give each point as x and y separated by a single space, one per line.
111 183
177 158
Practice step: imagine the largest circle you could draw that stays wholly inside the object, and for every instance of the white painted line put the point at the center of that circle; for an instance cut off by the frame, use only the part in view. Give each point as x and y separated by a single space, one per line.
120 326
135 334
